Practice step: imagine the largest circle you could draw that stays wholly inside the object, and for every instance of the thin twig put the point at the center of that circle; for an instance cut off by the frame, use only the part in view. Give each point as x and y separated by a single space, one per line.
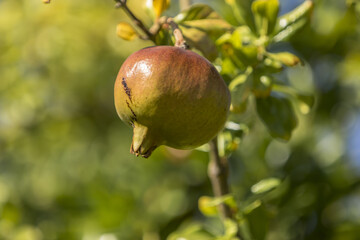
137 21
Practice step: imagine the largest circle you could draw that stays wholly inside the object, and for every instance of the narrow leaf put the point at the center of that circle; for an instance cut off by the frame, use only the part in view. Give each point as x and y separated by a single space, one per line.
265 185
196 12
286 58
160 6
240 89
290 23
213 27
266 12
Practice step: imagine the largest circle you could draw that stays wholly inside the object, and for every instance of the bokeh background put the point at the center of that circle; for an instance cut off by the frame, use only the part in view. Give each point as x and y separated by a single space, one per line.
65 168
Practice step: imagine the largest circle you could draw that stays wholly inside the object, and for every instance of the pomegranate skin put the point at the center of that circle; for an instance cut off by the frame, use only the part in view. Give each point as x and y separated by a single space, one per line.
170 96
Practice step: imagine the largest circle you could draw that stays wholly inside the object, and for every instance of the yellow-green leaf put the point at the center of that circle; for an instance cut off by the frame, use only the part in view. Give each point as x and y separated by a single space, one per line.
207 207
125 31
286 58
265 12
160 6
196 12
240 89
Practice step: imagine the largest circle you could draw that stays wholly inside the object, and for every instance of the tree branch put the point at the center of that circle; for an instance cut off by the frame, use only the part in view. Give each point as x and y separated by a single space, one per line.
137 21
218 171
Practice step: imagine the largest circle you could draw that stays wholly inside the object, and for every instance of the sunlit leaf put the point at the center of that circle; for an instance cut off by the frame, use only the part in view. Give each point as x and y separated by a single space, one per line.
243 13
209 205
228 67
193 231
265 185
238 47
213 27
277 113
196 12
240 89
290 23
286 58
231 229
160 6
265 12
126 31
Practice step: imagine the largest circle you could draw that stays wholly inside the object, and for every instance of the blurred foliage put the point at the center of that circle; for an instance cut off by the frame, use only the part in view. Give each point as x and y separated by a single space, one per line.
65 168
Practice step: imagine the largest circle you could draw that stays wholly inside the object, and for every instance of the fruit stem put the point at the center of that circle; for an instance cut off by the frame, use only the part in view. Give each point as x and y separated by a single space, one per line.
218 171
137 21
179 38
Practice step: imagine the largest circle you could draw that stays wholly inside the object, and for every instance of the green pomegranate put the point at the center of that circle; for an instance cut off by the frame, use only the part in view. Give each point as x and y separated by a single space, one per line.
170 96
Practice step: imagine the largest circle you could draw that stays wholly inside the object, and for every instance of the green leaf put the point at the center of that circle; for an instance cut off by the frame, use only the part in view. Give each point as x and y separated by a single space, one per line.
265 12
214 27
194 231
201 41
228 67
201 26
240 89
242 12
290 23
305 102
208 205
230 138
277 113
252 206
265 185
231 229
238 46
196 12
